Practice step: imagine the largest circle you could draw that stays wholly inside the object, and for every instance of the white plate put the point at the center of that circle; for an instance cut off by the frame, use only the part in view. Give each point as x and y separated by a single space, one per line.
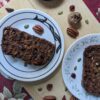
15 67
73 65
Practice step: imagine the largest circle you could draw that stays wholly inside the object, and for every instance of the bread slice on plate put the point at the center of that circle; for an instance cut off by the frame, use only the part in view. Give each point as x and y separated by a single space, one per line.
31 49
91 69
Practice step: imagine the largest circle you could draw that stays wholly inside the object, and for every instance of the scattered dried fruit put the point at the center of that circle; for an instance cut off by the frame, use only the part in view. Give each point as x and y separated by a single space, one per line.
60 13
72 32
9 10
26 26
74 19
73 98
38 29
73 75
86 21
49 87
66 89
72 8
49 98
40 89
64 97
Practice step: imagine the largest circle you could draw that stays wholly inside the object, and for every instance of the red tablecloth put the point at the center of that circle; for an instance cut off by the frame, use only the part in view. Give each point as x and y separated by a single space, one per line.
93 5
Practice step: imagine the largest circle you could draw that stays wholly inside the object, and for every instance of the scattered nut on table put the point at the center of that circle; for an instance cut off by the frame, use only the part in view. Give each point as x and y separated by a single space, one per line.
74 19
72 32
38 29
49 97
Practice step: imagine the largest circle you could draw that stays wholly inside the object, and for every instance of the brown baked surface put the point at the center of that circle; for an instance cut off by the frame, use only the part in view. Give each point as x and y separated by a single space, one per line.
31 49
91 70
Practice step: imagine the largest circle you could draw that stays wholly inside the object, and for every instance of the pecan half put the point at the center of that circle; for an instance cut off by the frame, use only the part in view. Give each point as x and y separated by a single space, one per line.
38 29
72 32
49 98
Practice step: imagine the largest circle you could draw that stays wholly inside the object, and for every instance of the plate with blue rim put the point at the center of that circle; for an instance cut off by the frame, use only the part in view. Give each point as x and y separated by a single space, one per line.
24 20
72 66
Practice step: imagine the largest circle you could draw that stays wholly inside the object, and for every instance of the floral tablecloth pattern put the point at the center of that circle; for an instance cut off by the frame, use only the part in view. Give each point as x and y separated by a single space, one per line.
3 2
12 90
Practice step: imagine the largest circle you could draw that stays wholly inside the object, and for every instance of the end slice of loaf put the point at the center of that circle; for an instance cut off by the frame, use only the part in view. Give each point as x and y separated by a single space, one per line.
91 70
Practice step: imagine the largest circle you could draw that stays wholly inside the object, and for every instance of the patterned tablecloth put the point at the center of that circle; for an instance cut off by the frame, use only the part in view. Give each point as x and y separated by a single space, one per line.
94 7
11 89
3 2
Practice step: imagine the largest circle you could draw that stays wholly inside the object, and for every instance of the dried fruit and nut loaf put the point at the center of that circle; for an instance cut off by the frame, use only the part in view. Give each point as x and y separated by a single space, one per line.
91 70
31 49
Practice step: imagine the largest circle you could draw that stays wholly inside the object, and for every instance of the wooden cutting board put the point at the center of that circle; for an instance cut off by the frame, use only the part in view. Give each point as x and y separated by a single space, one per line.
53 8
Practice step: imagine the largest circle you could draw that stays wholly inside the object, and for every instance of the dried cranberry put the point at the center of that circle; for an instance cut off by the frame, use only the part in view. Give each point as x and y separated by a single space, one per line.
49 87
64 97
73 98
72 8
39 89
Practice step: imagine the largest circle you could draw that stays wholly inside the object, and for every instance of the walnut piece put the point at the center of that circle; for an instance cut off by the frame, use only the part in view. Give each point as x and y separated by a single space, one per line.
74 19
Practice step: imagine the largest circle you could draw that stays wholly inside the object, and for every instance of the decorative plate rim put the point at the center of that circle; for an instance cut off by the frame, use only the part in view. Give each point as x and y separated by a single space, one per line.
66 53
61 36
